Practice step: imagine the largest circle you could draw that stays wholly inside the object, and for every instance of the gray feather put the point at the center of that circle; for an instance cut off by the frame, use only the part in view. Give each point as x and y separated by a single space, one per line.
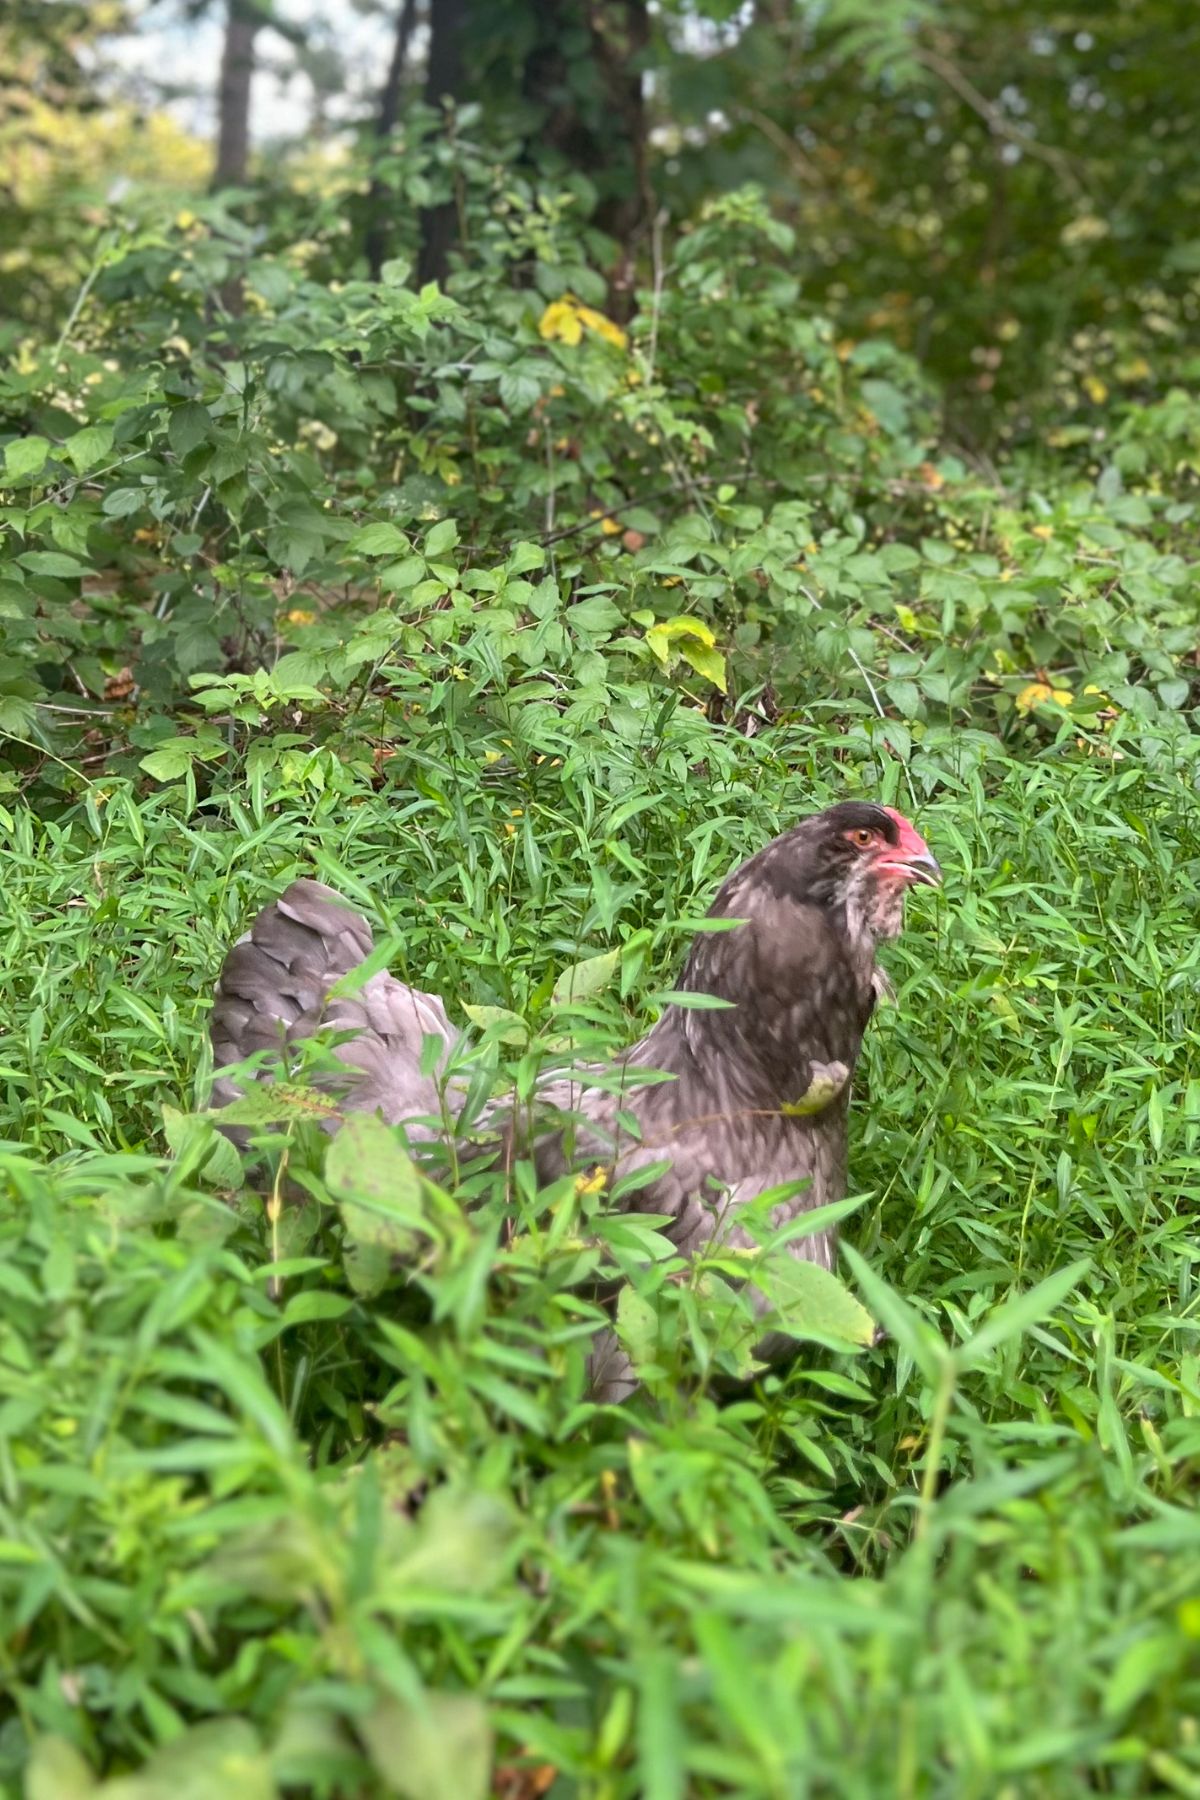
274 991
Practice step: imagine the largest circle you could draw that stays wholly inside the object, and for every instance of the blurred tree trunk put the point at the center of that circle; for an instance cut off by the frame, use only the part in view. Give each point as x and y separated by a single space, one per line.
379 199
443 87
233 93
578 64
601 132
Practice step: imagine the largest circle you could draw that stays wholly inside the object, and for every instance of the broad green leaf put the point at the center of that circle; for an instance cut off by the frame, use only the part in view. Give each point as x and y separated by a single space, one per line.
507 1027
170 764
438 1749
56 1771
53 562
314 1304
583 979
380 539
89 446
188 426
216 1757
275 1103
812 1303
707 662
194 1137
376 1184
25 457
441 537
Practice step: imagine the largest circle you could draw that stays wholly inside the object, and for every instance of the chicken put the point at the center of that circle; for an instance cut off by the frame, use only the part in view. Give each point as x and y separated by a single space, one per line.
757 1090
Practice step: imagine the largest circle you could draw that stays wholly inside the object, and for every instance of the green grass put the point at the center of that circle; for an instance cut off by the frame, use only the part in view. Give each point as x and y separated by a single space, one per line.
963 1563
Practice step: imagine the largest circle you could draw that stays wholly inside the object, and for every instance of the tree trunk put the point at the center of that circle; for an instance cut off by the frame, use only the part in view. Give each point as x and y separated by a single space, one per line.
379 199
443 83
603 134
233 94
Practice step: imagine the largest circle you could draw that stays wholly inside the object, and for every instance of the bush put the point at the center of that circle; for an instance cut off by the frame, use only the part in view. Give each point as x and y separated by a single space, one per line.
521 633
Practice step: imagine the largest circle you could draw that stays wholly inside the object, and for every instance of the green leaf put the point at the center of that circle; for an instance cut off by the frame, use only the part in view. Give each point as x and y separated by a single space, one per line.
439 1749
706 662
217 1757
399 576
520 388
25 457
441 537
1139 1669
172 760
170 764
194 1140
905 696
314 1304
583 979
812 1303
188 426
274 1103
380 539
16 601
56 1771
515 1030
52 562
1016 1316
89 446
376 1184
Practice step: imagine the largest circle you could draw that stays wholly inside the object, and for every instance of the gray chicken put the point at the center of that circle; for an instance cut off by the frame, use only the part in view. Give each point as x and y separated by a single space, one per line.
757 1090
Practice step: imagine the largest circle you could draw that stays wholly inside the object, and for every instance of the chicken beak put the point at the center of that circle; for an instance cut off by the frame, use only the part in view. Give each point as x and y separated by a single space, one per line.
923 869
918 868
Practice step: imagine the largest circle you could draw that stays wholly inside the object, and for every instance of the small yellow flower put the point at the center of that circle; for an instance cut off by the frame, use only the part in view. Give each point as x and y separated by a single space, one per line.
593 1183
1095 389
1042 531
298 616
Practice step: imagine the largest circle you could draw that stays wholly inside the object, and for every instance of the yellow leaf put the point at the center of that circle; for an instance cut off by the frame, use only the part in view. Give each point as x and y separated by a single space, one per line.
1037 693
707 662
567 319
609 527
561 320
1042 531
1095 389
298 616
683 627
694 641
605 328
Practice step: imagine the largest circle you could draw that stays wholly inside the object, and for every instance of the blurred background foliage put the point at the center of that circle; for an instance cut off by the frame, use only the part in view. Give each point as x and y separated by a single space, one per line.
509 460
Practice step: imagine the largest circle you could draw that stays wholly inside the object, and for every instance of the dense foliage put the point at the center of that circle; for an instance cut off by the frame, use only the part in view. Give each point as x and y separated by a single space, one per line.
520 625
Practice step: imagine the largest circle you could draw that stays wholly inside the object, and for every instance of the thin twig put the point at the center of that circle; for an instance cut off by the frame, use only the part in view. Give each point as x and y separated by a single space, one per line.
995 120
912 792
106 244
656 241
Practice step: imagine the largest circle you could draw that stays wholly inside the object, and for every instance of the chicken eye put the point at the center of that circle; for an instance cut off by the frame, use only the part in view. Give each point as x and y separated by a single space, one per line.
863 837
